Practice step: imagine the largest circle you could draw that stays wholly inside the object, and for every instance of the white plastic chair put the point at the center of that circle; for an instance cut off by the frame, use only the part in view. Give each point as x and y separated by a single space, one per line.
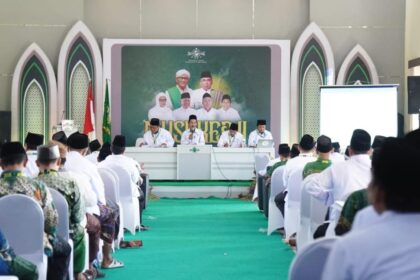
261 161
28 213
62 208
275 218
335 212
292 206
130 202
304 230
310 260
111 183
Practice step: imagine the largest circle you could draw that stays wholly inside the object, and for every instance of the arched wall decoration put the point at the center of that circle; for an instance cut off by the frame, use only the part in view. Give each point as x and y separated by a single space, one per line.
357 68
311 49
34 95
80 48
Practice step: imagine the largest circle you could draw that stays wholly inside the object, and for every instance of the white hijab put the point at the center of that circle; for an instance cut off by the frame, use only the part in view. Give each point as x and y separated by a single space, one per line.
162 113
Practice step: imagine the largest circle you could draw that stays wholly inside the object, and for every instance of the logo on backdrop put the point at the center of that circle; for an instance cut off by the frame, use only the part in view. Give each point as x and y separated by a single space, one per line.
196 56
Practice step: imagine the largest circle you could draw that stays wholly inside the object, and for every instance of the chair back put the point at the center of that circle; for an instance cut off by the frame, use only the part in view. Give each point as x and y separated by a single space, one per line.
277 185
62 208
124 182
22 222
261 161
310 260
110 183
294 186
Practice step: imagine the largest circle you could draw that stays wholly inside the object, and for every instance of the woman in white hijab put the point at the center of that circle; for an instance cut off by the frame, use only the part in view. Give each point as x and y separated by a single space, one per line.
161 111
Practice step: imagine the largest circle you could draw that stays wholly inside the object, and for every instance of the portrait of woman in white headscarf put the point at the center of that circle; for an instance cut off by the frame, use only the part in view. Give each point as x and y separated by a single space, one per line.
161 110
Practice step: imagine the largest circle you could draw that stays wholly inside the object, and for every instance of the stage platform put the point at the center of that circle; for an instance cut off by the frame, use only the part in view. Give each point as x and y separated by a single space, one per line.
199 189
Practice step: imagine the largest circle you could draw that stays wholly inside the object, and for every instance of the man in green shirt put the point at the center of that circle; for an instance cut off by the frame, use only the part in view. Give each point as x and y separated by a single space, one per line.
323 149
13 159
48 162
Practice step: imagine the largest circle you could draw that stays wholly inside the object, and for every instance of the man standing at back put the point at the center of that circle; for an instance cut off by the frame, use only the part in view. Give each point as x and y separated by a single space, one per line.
343 178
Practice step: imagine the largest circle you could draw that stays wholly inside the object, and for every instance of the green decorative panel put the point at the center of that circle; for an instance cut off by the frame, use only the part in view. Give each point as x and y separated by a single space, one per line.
78 92
34 110
311 101
358 73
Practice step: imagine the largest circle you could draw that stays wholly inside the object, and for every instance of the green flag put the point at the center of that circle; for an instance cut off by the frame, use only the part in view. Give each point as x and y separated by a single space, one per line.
106 120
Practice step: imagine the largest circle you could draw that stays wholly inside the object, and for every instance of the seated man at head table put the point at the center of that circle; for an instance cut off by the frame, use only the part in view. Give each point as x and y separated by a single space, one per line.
231 138
193 135
259 133
157 137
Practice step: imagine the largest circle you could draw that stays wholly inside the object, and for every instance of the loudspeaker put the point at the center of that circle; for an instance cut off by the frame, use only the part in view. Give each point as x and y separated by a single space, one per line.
5 126
413 88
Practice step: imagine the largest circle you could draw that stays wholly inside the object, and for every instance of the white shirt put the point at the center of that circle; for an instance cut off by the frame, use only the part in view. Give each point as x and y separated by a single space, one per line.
388 249
365 218
197 97
340 179
93 157
128 164
77 163
336 157
236 141
203 115
295 163
162 113
182 114
198 137
31 169
255 136
228 115
156 140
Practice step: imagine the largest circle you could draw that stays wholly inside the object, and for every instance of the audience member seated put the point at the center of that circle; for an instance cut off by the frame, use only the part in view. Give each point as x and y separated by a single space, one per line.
294 151
91 223
10 264
32 141
106 211
336 155
390 247
133 167
323 149
94 147
306 146
13 160
48 161
284 153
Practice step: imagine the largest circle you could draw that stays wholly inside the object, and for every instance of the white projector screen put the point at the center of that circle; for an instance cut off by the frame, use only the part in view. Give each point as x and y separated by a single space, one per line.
345 108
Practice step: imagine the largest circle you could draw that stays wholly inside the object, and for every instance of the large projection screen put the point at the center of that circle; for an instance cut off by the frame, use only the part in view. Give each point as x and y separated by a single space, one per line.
345 108
254 73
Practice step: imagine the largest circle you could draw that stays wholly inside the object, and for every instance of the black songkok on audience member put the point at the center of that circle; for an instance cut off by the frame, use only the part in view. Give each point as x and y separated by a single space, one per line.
48 152
336 146
155 121
378 141
78 141
284 149
34 140
104 151
12 149
119 141
94 145
307 142
60 137
261 122
205 74
323 144
234 126
360 140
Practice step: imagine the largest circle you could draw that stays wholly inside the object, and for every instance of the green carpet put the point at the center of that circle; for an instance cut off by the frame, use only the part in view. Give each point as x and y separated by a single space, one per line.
204 239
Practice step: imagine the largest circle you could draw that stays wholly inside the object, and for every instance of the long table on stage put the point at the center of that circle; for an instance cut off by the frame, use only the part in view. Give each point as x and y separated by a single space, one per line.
198 162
